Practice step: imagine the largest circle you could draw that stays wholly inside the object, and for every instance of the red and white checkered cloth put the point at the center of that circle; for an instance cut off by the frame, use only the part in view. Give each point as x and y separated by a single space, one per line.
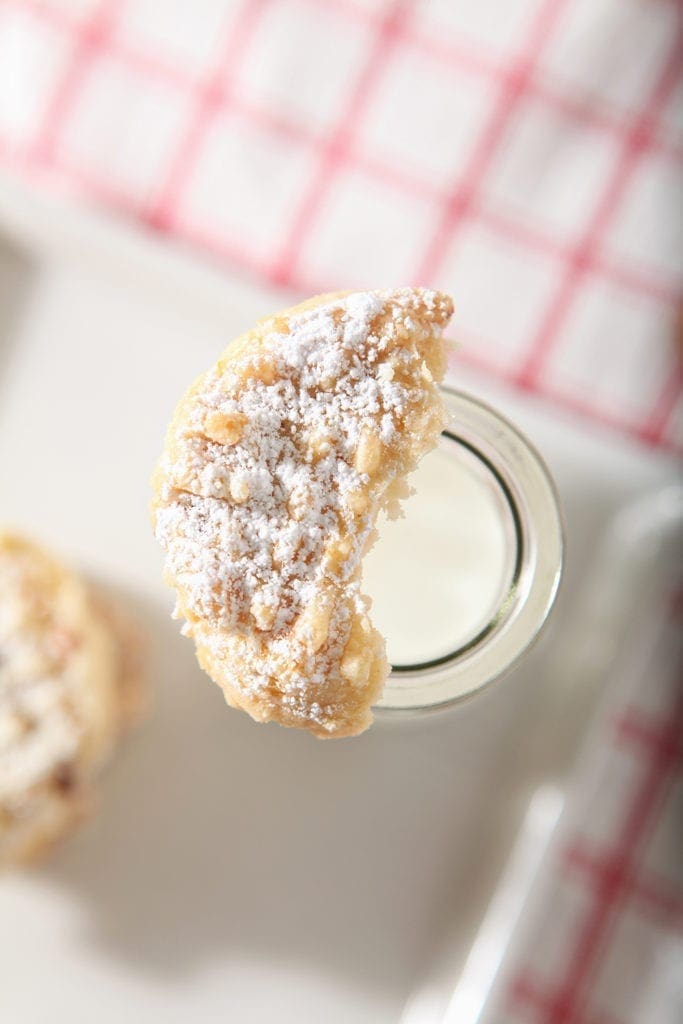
523 154
603 940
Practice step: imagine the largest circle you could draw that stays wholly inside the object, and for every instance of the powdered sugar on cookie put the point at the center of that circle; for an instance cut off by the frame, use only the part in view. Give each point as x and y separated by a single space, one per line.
61 698
38 728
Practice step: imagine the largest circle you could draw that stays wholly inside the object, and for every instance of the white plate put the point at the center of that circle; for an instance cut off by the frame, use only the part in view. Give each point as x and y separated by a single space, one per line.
239 872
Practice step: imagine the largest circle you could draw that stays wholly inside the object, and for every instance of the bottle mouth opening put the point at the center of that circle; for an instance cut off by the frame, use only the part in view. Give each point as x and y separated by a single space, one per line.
463 584
511 521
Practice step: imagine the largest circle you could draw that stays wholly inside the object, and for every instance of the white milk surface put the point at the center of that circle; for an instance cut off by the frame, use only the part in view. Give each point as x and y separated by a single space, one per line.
438 576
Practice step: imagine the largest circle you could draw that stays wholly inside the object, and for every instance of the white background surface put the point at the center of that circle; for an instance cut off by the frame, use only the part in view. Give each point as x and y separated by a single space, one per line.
239 871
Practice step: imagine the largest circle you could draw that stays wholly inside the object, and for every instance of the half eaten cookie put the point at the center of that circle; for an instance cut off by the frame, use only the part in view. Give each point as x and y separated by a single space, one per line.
275 467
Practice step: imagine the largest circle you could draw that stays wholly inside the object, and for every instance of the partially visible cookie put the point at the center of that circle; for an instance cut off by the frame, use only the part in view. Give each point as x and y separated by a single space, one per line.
276 465
69 683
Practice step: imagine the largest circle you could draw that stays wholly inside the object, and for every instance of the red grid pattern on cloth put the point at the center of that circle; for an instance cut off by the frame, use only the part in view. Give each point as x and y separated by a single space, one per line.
607 879
513 77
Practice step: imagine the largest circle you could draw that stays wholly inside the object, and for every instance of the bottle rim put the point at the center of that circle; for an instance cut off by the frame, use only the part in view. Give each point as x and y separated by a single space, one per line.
535 532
